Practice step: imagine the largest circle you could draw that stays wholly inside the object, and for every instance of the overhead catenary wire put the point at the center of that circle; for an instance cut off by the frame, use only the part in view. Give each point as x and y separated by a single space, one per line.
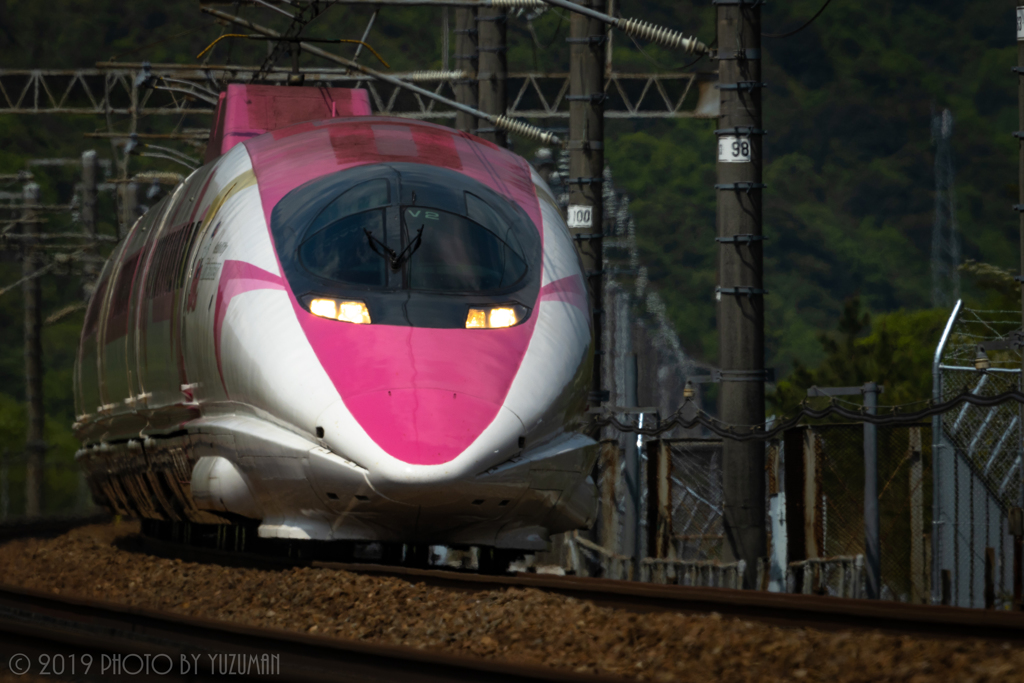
58 260
802 27
500 121
260 36
638 28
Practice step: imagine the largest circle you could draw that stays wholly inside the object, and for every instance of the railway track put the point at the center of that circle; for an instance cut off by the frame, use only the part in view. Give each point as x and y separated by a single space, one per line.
38 624
780 609
80 639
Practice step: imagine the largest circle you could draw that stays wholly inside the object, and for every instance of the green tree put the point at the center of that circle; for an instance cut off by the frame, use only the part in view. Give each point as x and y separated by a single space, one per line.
895 350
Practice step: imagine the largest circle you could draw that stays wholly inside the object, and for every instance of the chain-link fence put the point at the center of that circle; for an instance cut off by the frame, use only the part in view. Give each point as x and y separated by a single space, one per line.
696 498
823 520
944 492
904 503
978 459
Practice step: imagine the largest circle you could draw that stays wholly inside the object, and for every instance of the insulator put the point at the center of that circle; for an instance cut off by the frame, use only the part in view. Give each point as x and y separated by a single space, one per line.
511 4
414 76
527 130
661 35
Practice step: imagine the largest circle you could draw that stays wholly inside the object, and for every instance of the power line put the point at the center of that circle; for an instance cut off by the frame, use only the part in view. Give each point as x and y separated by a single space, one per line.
805 25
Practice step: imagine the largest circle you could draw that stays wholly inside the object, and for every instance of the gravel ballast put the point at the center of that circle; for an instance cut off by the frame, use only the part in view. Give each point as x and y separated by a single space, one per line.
521 625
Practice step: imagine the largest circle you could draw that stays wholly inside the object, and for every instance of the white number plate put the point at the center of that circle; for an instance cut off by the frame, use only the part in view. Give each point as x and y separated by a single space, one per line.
581 216
1020 23
734 149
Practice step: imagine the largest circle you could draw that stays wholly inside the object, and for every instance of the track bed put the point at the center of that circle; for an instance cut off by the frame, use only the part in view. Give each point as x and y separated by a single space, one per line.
568 624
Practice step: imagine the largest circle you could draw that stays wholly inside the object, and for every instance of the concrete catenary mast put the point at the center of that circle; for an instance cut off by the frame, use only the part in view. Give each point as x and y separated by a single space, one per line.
740 292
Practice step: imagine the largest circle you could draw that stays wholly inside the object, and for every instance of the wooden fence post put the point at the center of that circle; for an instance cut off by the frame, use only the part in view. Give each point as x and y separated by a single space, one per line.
918 569
609 463
804 530
659 498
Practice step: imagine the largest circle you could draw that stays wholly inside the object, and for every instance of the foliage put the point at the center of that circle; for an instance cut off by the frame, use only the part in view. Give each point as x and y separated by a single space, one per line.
849 167
895 351
1001 290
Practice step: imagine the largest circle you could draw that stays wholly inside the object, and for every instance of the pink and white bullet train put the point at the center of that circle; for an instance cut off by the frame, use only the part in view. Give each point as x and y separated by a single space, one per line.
350 328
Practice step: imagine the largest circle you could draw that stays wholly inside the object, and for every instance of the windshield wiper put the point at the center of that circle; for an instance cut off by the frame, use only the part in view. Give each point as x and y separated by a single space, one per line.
410 249
387 252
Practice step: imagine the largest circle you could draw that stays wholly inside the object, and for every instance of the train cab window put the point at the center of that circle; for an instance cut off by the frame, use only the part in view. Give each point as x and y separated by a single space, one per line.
418 245
343 251
452 253
341 247
372 194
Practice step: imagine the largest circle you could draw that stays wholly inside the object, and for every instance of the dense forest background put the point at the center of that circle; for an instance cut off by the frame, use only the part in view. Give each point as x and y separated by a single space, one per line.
849 168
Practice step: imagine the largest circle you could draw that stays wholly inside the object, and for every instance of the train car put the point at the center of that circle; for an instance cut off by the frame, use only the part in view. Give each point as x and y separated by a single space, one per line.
343 328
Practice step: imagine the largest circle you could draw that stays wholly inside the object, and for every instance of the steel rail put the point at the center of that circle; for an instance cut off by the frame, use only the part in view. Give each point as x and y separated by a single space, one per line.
780 609
33 622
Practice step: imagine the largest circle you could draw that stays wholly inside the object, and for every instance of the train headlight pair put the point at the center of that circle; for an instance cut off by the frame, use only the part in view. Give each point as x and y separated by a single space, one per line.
346 311
478 317
492 317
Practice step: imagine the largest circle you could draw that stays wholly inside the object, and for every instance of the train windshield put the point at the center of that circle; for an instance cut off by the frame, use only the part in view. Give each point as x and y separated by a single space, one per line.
417 245
339 248
343 252
443 243
452 253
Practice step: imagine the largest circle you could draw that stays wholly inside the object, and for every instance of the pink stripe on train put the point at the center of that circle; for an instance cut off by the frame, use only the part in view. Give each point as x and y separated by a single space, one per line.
423 395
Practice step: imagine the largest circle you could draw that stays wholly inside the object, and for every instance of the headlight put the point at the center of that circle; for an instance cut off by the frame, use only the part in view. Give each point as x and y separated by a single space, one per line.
346 311
495 316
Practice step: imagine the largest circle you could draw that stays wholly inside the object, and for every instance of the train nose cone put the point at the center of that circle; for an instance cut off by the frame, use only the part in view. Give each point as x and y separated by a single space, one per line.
423 395
423 426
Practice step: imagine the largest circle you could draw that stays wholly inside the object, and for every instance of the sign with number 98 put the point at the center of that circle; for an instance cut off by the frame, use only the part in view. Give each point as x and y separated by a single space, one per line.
734 149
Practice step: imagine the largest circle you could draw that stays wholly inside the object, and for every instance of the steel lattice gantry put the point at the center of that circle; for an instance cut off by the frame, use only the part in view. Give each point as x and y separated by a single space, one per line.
126 89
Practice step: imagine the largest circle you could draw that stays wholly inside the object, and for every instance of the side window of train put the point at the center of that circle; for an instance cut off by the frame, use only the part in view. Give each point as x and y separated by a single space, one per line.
175 245
123 284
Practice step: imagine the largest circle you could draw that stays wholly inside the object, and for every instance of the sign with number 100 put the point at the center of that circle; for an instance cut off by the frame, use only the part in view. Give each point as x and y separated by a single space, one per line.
734 149
580 216
1020 23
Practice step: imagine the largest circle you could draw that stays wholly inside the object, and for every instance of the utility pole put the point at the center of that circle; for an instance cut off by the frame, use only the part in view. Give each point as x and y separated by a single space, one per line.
586 97
129 207
35 446
872 547
88 212
493 70
1018 564
945 240
1019 69
466 57
740 293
